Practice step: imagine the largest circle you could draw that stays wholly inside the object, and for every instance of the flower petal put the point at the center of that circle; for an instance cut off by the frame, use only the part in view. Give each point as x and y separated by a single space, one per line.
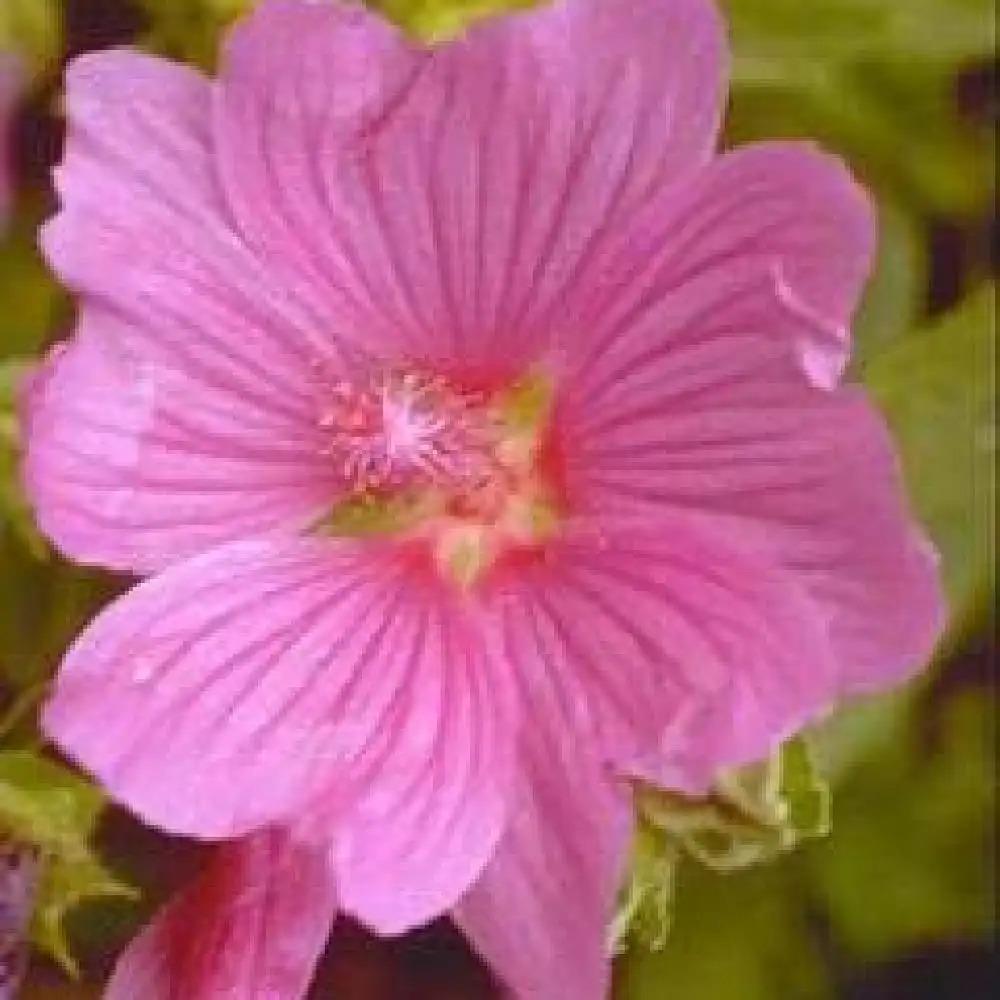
430 800
143 224
705 388
802 480
232 690
540 914
253 926
466 188
679 628
764 255
213 365
296 78
133 463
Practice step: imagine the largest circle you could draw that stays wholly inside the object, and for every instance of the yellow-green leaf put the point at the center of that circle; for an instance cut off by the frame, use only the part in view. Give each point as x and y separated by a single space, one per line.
44 805
911 859
439 19
32 28
752 815
938 389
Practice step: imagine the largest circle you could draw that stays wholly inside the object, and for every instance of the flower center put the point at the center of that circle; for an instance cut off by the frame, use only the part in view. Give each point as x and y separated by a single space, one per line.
408 429
424 457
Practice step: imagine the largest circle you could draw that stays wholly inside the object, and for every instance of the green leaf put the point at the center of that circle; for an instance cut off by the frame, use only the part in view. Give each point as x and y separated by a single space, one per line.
33 303
439 19
869 114
14 513
32 28
866 78
191 30
785 38
859 730
45 604
44 805
938 389
894 299
803 794
911 860
739 936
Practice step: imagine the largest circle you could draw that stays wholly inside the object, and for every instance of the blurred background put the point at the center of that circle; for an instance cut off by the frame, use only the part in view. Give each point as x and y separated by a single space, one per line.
899 902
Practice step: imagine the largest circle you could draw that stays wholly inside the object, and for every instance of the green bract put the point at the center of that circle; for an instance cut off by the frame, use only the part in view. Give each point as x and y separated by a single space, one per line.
752 814
44 805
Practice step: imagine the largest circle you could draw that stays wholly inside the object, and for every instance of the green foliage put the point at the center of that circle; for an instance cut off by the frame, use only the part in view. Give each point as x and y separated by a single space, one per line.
752 815
14 514
938 389
874 80
190 30
786 38
736 936
437 19
32 28
32 302
911 861
646 906
44 805
893 301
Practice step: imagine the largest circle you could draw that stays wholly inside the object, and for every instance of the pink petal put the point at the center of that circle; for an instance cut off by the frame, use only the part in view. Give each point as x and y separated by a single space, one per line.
11 86
251 927
469 189
432 791
622 636
762 257
133 462
144 225
296 77
701 391
540 914
798 478
230 691
214 366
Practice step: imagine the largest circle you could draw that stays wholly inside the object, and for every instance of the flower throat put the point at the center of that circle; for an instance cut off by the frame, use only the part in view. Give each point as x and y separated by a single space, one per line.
423 457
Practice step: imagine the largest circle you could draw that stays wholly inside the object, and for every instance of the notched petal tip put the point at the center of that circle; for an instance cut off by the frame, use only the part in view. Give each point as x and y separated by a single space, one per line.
823 348
821 287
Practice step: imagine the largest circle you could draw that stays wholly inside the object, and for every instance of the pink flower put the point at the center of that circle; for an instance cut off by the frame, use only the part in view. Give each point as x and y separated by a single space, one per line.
480 431
11 85
251 926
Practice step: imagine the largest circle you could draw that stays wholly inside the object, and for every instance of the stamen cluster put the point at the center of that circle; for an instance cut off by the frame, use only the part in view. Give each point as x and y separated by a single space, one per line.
409 429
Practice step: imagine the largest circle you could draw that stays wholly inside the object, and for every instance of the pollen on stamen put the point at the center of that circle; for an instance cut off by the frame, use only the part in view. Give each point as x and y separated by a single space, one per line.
407 429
